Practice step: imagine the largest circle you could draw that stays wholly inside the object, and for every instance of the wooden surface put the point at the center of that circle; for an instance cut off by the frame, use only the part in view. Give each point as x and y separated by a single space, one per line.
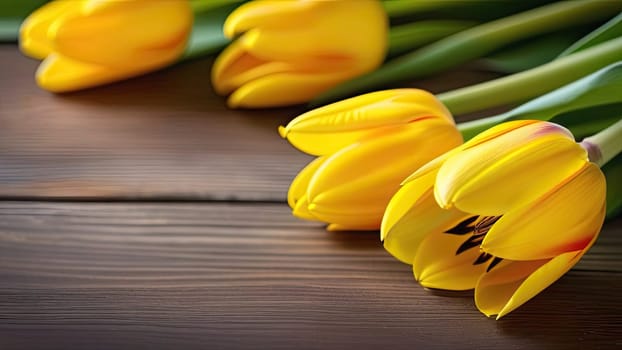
146 215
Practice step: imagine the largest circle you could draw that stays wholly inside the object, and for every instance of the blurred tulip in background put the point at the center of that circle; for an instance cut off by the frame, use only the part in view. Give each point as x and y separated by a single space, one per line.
85 43
290 51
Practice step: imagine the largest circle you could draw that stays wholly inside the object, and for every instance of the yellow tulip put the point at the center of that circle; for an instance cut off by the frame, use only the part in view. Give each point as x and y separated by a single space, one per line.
85 43
507 213
366 146
290 51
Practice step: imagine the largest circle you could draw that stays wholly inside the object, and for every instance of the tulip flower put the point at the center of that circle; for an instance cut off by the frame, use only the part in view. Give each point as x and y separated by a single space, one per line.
85 43
290 51
507 213
366 146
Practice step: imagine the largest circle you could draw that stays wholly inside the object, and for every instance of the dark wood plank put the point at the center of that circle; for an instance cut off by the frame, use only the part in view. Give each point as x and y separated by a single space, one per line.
217 275
163 135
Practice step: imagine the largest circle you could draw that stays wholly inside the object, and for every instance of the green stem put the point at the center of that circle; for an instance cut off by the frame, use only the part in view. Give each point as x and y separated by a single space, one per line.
528 84
407 37
473 43
205 5
605 145
397 8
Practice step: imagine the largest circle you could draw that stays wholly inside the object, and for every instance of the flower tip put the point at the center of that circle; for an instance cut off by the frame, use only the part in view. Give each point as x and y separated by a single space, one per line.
383 234
29 48
28 43
283 131
301 209
232 26
228 30
233 102
335 228
441 198
385 229
44 80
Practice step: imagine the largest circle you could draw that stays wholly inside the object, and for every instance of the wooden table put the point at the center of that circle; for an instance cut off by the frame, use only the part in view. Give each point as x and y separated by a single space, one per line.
146 214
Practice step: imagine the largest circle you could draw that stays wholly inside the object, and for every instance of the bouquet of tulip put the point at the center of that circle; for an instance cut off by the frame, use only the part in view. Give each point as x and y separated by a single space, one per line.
506 213
504 205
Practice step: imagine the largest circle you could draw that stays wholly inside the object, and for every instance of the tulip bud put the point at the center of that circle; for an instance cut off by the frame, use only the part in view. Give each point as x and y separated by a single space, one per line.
507 213
290 51
366 146
85 43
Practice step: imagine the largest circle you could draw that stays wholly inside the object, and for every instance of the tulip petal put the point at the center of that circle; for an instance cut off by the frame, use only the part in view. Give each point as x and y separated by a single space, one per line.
271 14
495 288
275 45
565 219
125 33
437 263
328 129
413 214
504 289
403 202
421 217
521 176
432 166
301 209
374 167
489 178
496 131
60 74
299 185
273 32
33 38
364 216
282 89
235 67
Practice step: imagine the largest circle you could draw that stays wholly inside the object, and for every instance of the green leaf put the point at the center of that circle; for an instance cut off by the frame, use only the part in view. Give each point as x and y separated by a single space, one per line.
599 88
398 8
521 87
207 32
568 103
529 54
12 14
407 37
480 10
613 174
607 31
585 122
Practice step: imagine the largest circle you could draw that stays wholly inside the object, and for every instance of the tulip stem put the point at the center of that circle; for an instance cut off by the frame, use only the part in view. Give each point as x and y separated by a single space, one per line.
605 145
402 8
531 83
407 37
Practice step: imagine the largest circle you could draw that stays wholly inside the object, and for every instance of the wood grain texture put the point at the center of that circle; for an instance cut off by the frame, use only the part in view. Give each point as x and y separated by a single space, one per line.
234 272
230 276
163 135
